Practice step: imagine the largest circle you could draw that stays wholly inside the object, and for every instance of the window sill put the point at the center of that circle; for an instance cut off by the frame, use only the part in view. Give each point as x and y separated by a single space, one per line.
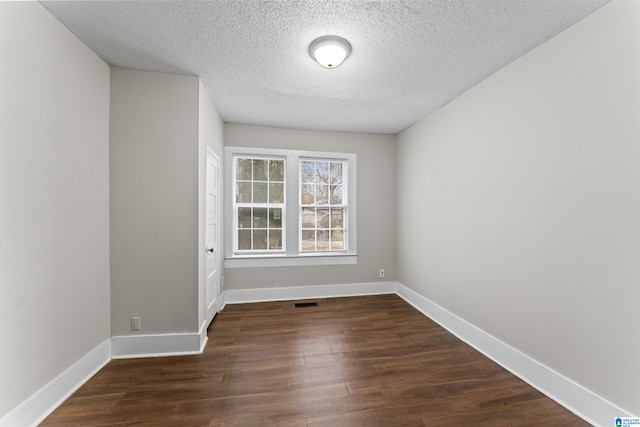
285 261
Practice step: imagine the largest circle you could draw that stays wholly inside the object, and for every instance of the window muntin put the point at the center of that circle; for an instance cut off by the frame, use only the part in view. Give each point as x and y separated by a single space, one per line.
259 207
323 204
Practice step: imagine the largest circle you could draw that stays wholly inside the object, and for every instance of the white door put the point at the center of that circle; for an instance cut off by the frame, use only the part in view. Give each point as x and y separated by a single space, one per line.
212 289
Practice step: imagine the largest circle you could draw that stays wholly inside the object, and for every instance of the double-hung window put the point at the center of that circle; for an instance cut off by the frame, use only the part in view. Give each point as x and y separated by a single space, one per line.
289 207
322 205
259 205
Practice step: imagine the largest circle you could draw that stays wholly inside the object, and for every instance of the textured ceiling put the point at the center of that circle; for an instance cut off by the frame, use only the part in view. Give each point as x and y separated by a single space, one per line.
409 57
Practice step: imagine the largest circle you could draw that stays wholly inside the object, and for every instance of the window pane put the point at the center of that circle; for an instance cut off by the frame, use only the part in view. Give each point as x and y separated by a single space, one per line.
322 240
336 195
308 218
244 218
337 240
322 219
259 218
337 215
308 240
322 172
243 194
275 218
259 192
259 239
276 193
275 239
322 194
244 240
336 173
244 170
276 170
307 172
260 169
308 194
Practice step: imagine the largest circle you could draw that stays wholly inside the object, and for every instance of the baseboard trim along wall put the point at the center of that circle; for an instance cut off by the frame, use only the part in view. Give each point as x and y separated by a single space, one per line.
582 402
158 345
240 296
43 402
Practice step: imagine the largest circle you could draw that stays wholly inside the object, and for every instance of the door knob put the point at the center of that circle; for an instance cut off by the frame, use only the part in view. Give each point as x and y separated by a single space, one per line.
210 250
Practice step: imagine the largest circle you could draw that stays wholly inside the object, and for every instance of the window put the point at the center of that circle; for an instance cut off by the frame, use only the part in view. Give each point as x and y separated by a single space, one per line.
322 204
288 207
259 205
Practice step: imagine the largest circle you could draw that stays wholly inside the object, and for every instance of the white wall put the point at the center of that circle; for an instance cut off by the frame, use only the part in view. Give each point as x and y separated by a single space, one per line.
519 204
54 195
375 209
154 202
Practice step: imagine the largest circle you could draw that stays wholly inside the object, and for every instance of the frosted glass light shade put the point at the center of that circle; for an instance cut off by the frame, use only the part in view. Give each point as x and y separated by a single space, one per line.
330 51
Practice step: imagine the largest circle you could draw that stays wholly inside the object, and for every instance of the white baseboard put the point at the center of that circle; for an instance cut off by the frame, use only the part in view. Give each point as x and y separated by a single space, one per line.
582 402
158 345
43 402
239 296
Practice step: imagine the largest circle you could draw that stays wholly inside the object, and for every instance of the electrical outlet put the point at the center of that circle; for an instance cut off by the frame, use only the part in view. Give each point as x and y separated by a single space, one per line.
135 323
381 273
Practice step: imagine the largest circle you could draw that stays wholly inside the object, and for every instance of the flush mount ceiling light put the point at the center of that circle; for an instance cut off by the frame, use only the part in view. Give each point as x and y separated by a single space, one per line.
329 51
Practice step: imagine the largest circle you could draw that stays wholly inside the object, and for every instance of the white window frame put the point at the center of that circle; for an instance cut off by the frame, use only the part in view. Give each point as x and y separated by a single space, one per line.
344 205
265 205
291 256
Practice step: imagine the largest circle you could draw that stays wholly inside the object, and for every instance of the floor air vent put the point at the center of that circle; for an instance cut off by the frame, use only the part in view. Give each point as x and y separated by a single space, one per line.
305 304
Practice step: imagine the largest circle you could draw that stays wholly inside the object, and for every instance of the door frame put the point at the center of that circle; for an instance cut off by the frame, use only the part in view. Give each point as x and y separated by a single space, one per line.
216 303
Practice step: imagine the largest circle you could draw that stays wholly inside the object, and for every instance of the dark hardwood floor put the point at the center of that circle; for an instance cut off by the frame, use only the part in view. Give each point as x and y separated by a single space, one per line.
359 361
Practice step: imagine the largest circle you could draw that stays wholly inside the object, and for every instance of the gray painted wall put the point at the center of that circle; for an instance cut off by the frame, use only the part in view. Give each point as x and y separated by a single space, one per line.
54 200
154 202
376 163
519 204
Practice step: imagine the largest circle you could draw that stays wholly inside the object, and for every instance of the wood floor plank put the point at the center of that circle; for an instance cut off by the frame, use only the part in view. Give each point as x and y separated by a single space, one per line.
369 361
